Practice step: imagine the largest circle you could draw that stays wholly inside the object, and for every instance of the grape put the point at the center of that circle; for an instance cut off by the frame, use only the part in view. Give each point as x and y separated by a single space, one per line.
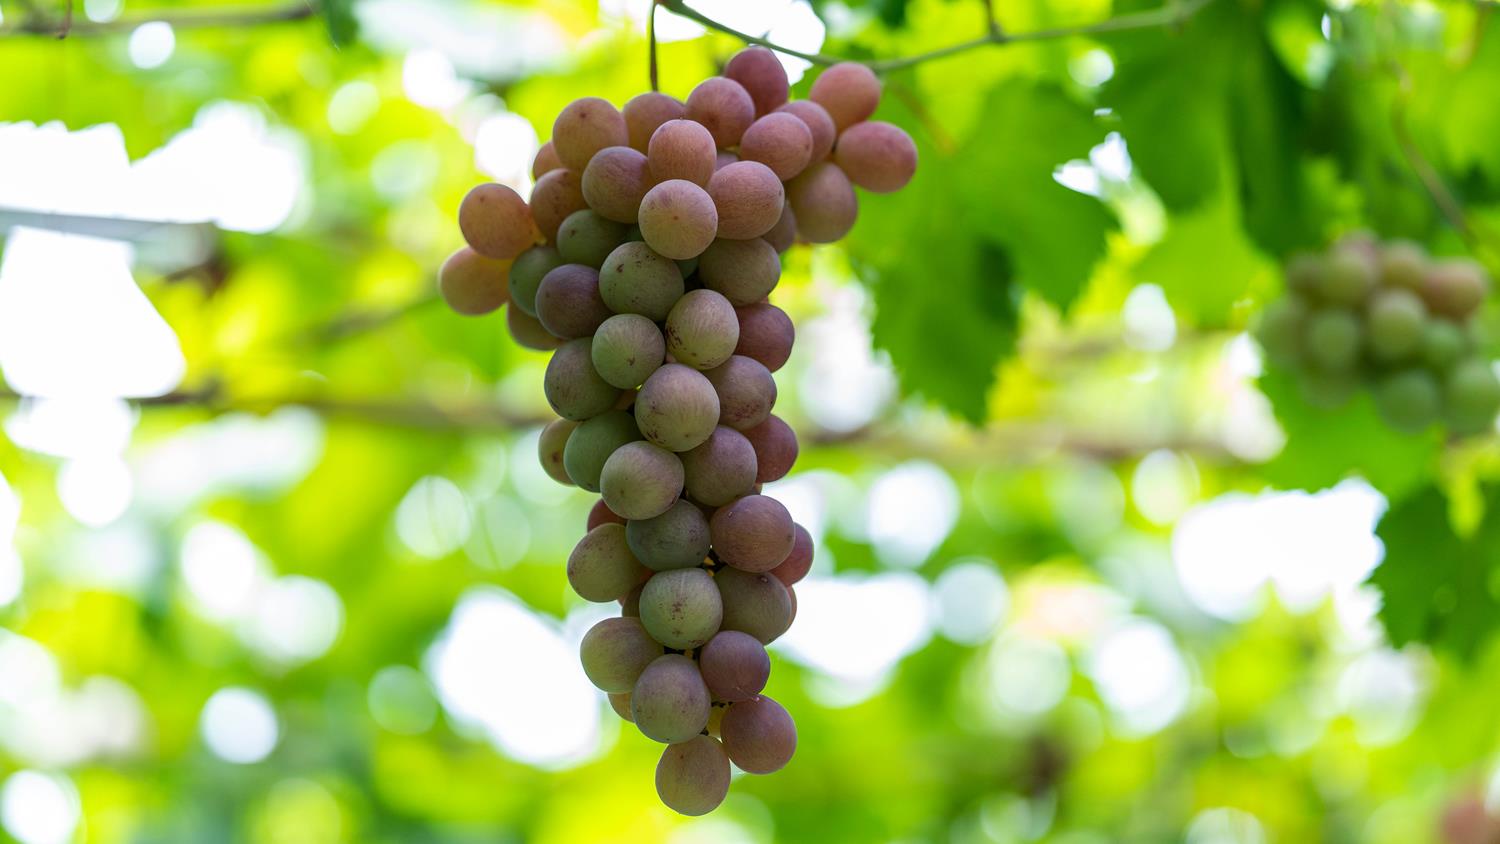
681 149
627 349
824 202
877 156
614 183
760 73
753 603
1454 288
1327 390
568 301
556 195
1281 328
526 275
720 469
849 91
584 127
702 329
775 448
724 108
614 653
636 279
734 666
1443 343
681 608
1304 275
754 533
495 221
472 284
747 392
573 388
601 567
723 159
1332 339
1395 320
1409 400
677 407
1472 395
766 334
528 332
819 123
620 703
678 219
550 446
748 197
692 777
759 735
630 605
744 271
797 564
592 442
587 237
784 233
640 480
1348 277
677 539
670 703
545 162
600 514
645 113
781 141
1403 264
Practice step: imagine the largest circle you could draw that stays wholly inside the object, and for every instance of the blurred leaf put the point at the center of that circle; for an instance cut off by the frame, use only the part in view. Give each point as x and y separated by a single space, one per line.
1204 264
338 16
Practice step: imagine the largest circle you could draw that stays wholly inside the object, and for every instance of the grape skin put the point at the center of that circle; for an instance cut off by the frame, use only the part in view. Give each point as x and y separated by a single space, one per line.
496 221
670 703
734 666
641 480
545 162
754 533
677 539
760 73
682 149
591 444
1348 277
587 237
627 349
692 777
526 275
766 335
743 271
759 735
601 567
568 301
798 563
702 329
678 219
636 279
615 182
645 113
748 198
781 141
1403 264
775 448
681 608
724 108
620 703
573 388
877 156
720 469
1455 288
1409 401
677 407
849 91
824 202
550 446
473 284
746 390
600 514
1396 321
819 123
556 195
784 234
584 127
615 651
754 603
528 331
1472 396
1333 339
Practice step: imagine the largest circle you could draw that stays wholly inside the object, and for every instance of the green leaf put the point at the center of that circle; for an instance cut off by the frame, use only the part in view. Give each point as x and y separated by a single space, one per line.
1205 264
338 16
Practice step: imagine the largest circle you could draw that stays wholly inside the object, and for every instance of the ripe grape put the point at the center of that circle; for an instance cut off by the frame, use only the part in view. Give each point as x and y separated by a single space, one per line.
600 514
620 703
724 108
677 407
747 392
601 567
754 533
592 442
545 162
1281 329
681 149
766 334
723 159
748 197
556 195
1454 288
630 605
849 91
568 301
496 221
473 284
877 156
572 385
702 329
781 141
744 271
614 653
1403 264
681 608
784 233
1395 320
824 202
614 183
754 603
734 666
587 237
678 219
760 73
1472 396
676 539
692 777
759 735
1409 400
550 446
644 113
627 349
1348 276
670 703
584 127
1443 343
526 275
720 469
1332 339
798 563
640 480
775 448
819 123
528 332
636 279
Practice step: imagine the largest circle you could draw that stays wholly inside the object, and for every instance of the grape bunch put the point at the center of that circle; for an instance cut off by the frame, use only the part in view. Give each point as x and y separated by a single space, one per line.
643 262
1393 318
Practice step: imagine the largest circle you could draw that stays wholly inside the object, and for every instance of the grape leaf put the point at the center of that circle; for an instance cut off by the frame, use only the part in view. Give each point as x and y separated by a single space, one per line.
1204 264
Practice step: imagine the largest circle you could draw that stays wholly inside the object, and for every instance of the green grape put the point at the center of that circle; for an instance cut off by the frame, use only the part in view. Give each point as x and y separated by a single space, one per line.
681 149
760 73
568 301
601 567
743 271
759 735
823 200
615 182
681 608
587 237
877 156
734 666
636 279
850 91
677 539
677 407
678 219
584 127
692 777
550 447
627 349
614 653
1304 275
528 331
1395 321
754 533
720 469
630 605
591 444
748 197
1403 264
473 284
1443 343
775 445
1409 400
645 113
724 108
1332 340
670 703
780 141
1472 395
702 329
1348 277
620 703
640 480
754 603
526 275
496 221
1281 328
798 563
573 388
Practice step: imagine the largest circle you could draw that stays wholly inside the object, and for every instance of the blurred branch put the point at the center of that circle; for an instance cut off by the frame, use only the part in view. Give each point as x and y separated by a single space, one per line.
651 42
1172 14
35 24
111 228
992 22
358 322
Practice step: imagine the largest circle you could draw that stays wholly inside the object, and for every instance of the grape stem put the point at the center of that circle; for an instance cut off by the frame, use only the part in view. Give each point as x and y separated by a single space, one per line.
1172 14
651 41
